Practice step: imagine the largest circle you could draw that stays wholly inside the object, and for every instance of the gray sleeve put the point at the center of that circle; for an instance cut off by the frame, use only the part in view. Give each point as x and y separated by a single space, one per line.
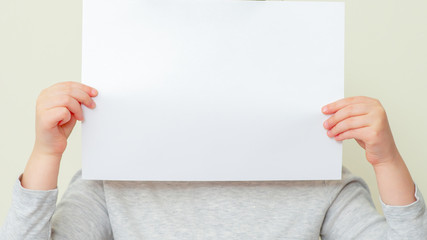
29 215
410 220
352 215
81 214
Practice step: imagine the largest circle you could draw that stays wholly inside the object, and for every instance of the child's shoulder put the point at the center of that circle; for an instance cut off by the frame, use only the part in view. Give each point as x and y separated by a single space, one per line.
349 185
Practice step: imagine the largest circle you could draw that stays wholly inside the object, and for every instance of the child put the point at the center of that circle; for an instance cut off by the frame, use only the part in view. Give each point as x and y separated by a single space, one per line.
214 210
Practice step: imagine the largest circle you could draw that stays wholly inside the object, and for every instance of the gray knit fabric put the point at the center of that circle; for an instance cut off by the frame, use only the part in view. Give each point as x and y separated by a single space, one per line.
124 210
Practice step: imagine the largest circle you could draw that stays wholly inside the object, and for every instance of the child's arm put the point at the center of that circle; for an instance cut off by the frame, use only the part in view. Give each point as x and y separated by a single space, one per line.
365 120
58 108
82 213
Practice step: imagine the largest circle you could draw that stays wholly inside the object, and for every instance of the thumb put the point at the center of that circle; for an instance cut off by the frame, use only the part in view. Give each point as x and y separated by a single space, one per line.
361 143
68 127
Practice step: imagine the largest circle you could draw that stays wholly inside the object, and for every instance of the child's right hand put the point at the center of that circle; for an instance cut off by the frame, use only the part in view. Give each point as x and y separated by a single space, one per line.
57 110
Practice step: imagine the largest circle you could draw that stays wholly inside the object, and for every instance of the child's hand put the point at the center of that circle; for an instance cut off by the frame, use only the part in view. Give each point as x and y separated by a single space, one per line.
365 120
57 111
58 108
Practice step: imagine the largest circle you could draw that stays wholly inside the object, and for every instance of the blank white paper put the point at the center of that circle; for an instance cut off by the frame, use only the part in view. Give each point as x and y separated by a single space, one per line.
211 90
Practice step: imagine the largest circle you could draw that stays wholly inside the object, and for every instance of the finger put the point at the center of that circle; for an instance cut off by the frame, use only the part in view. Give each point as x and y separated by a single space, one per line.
348 124
353 133
79 95
66 101
335 106
83 97
346 112
68 86
58 116
73 106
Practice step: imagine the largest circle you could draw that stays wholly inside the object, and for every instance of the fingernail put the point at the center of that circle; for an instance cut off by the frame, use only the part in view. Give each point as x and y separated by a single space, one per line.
325 124
324 109
93 104
94 92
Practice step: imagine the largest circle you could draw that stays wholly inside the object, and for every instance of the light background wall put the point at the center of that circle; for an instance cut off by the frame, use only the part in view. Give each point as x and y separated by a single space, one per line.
385 58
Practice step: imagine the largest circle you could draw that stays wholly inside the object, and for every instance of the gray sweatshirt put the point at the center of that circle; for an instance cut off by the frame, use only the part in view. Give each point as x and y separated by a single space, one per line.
211 210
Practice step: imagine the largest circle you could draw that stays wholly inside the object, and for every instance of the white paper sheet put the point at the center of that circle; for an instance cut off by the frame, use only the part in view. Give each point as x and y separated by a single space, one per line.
200 90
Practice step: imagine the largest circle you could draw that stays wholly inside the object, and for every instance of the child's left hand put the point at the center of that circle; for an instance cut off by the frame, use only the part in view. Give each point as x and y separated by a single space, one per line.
365 120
